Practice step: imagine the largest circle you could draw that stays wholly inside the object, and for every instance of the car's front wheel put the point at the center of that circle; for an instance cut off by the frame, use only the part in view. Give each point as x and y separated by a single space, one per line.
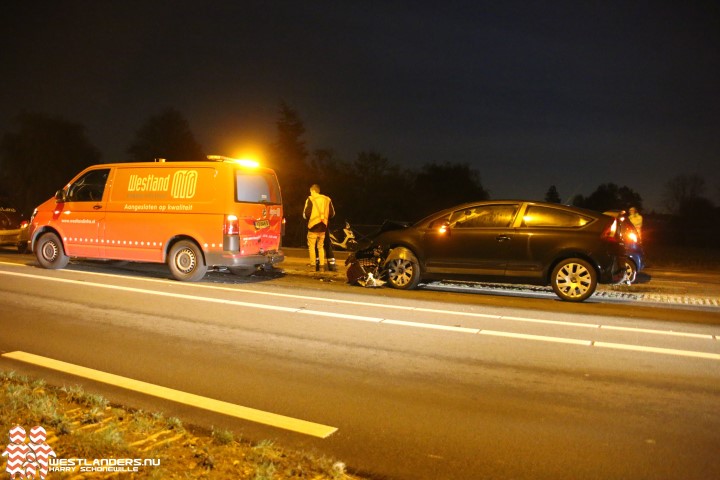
49 252
403 271
186 262
629 272
573 280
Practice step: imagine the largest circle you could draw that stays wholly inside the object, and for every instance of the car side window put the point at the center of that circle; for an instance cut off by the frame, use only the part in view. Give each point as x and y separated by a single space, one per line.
484 216
88 188
539 216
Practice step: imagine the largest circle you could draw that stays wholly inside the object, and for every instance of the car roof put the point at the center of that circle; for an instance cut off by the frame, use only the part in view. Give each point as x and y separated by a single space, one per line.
572 208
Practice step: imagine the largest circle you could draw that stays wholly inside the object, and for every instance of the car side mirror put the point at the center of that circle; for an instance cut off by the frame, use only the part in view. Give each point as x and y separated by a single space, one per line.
60 196
444 228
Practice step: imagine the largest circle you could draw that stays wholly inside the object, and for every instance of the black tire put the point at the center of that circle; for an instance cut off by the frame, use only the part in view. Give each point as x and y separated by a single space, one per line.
50 253
186 262
22 247
629 270
403 273
573 280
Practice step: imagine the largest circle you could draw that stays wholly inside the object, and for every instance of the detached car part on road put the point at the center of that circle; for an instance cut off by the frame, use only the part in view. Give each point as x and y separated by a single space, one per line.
568 248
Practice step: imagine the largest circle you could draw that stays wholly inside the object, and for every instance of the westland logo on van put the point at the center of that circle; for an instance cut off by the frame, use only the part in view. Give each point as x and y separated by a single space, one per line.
183 185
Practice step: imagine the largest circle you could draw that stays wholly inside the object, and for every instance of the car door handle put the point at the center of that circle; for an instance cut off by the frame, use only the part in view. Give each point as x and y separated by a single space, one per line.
502 238
97 207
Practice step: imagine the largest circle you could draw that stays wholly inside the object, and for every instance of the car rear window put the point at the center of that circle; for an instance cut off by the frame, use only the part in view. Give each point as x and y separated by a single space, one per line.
538 216
256 188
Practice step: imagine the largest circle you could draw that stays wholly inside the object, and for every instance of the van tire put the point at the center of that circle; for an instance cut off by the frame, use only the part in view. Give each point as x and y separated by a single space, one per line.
186 262
50 253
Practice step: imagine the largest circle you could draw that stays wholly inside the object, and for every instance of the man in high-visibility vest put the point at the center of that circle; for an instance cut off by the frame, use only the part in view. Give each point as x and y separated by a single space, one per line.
318 211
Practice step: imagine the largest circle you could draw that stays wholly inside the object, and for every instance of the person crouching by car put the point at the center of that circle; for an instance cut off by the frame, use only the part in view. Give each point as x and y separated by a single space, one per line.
318 211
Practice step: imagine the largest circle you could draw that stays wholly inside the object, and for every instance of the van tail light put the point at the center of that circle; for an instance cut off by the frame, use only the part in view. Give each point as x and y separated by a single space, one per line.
282 228
231 226
610 233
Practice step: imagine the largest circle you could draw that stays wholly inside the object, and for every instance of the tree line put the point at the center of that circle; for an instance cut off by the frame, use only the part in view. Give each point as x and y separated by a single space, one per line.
43 152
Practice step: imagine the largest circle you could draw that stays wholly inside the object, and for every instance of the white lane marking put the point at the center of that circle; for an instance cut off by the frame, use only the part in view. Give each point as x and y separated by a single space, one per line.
663 351
539 338
391 307
658 332
364 318
185 398
433 326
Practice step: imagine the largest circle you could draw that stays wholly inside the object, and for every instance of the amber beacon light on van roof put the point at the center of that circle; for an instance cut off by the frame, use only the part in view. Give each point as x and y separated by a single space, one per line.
245 162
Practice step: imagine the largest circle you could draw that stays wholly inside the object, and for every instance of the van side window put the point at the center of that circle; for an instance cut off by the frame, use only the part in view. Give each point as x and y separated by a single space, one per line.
88 188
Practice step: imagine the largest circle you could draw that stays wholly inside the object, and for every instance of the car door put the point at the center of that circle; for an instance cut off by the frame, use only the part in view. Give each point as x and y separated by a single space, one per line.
542 232
82 215
471 241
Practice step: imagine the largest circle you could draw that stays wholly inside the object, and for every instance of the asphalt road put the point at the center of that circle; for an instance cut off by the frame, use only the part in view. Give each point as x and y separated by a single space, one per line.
428 384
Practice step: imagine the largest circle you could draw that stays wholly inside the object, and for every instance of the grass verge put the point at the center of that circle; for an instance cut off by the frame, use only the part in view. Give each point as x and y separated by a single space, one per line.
83 425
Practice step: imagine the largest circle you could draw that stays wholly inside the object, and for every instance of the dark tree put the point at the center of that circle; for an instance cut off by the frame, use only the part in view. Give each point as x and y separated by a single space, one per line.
380 189
552 195
441 186
681 190
289 160
167 136
40 156
609 196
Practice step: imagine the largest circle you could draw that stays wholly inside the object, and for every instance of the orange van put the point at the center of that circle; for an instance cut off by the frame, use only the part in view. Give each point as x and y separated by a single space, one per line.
190 215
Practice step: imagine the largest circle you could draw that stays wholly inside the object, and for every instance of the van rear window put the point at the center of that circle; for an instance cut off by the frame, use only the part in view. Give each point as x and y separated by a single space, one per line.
256 188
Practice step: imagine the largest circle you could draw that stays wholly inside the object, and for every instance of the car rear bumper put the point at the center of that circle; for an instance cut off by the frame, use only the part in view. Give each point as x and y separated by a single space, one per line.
10 237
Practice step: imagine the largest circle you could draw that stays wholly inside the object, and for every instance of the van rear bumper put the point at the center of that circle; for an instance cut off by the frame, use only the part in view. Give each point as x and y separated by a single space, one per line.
230 259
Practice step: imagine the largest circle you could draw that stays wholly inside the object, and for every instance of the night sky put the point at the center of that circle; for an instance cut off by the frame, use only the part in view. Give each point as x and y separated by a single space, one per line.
531 94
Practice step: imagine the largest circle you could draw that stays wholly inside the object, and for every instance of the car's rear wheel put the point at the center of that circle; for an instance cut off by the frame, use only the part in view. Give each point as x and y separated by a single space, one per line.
403 272
573 280
49 252
186 262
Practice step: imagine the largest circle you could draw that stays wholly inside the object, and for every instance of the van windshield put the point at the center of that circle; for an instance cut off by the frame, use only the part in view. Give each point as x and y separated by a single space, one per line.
256 188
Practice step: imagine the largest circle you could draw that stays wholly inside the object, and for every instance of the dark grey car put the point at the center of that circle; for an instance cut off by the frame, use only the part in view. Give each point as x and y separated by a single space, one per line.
569 248
13 228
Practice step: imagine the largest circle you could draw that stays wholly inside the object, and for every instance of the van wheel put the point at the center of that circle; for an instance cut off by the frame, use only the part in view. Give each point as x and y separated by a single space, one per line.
186 262
49 252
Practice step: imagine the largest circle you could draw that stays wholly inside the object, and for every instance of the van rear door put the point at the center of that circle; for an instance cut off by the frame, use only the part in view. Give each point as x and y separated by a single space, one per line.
260 213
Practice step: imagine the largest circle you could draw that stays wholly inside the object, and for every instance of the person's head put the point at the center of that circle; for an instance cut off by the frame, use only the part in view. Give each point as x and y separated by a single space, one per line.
633 210
315 188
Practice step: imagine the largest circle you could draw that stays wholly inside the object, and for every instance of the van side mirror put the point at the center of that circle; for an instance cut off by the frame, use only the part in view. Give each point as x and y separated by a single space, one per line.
60 196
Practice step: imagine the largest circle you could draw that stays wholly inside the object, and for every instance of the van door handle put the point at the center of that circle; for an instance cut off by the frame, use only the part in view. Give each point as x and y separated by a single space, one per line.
502 238
97 207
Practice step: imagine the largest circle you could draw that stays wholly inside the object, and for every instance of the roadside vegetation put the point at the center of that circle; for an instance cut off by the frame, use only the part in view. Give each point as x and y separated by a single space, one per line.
83 425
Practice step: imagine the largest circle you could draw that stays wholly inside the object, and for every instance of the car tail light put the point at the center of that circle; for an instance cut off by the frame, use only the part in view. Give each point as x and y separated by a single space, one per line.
610 233
231 225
